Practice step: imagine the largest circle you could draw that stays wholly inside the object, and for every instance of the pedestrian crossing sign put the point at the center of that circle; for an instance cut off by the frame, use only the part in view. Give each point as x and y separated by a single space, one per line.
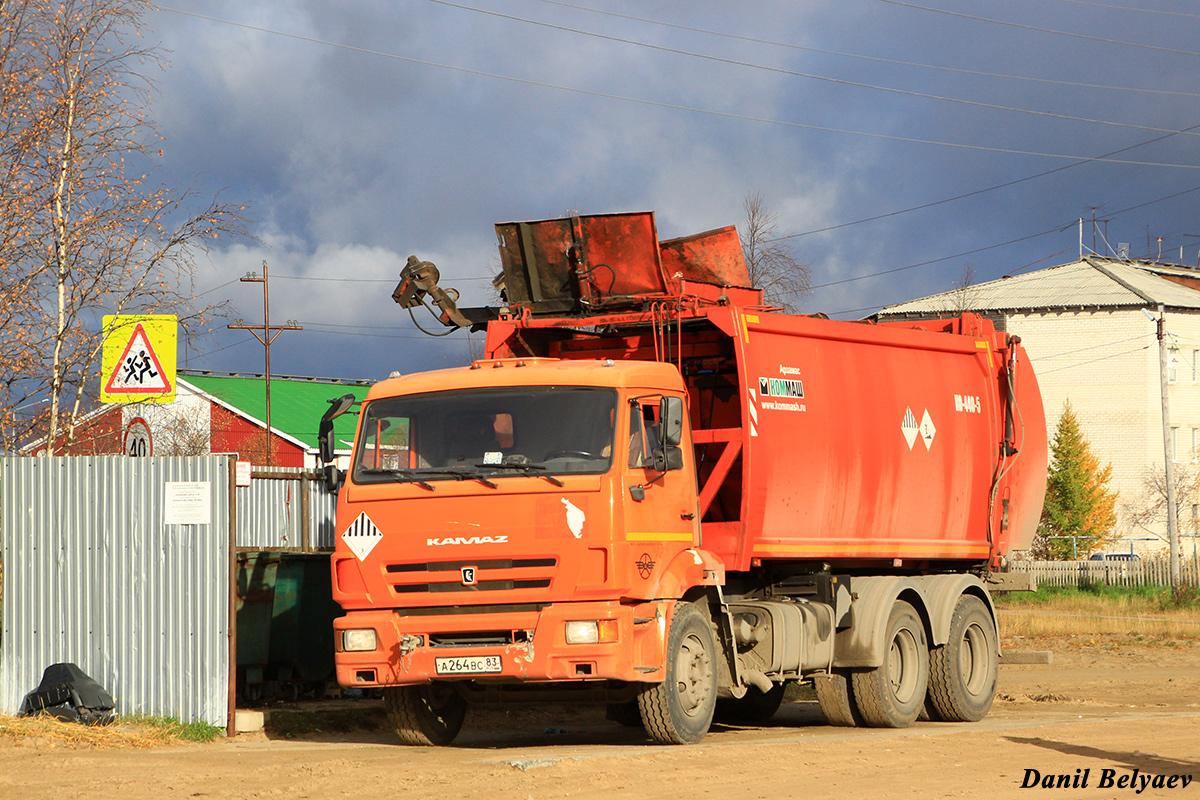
138 358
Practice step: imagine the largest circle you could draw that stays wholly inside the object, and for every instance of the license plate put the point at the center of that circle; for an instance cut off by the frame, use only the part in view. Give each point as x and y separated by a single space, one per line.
467 665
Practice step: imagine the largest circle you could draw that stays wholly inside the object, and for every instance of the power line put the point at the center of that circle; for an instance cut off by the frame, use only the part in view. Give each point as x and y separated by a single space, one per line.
389 281
319 327
793 73
1096 346
1093 361
1040 29
1152 202
1059 229
1002 244
987 189
219 349
879 59
669 106
334 280
1131 8
222 286
1012 272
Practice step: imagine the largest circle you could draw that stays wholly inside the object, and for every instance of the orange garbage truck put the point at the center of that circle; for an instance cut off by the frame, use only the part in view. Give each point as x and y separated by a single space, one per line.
655 492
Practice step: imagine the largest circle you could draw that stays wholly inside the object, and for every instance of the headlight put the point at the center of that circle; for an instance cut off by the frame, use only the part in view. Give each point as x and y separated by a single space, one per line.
359 640
591 631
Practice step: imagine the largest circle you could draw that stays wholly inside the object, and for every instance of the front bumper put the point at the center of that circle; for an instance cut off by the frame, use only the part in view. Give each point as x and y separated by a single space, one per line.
531 645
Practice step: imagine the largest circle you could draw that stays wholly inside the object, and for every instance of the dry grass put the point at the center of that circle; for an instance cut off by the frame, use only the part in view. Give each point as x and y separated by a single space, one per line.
1060 612
47 731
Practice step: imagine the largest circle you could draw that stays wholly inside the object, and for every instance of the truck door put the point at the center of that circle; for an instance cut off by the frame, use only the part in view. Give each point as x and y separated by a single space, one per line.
659 505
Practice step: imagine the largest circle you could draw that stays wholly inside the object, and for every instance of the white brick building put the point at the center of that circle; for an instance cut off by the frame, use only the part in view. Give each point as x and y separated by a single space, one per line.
1088 336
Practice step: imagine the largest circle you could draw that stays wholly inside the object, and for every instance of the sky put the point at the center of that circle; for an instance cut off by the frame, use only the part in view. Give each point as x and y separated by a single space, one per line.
901 146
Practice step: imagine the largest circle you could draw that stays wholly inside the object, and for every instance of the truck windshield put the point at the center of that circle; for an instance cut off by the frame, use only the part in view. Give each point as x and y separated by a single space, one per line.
499 433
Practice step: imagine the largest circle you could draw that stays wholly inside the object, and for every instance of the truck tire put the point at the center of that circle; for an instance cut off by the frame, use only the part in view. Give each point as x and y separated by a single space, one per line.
680 709
892 694
962 672
754 708
835 698
430 714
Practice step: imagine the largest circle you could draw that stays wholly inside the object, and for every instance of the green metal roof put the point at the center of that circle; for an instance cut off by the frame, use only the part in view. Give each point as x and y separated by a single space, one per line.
296 403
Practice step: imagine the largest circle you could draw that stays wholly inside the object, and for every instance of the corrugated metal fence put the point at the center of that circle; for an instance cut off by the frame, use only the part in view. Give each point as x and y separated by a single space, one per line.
103 564
1143 572
109 566
285 508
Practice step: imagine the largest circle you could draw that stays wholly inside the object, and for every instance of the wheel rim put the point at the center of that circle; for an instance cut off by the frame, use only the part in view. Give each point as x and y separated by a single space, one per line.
973 660
693 676
439 696
902 665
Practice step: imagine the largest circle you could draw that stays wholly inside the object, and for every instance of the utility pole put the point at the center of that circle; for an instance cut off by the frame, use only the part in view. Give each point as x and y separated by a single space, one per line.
1168 456
266 338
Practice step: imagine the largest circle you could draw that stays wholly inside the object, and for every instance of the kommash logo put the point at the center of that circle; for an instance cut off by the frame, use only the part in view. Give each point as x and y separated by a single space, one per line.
787 390
780 387
467 540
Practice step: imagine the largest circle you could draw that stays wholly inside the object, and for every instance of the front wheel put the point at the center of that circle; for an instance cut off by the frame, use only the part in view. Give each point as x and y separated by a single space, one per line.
962 672
892 694
430 714
680 709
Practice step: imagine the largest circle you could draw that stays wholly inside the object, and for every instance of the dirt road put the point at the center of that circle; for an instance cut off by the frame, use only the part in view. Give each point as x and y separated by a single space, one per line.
1115 720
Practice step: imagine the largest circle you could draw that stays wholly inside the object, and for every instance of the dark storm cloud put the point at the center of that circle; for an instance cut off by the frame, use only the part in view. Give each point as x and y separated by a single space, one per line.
351 160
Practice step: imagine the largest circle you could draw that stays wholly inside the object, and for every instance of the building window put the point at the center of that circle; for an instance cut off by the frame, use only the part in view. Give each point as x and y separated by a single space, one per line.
1195 366
1173 365
1175 445
1195 444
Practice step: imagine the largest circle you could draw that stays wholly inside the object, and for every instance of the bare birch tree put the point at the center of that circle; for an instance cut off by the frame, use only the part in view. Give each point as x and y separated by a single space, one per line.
1149 511
964 296
769 260
92 235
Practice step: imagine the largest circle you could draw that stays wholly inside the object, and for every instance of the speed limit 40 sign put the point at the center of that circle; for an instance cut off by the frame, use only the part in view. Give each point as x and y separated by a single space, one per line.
137 438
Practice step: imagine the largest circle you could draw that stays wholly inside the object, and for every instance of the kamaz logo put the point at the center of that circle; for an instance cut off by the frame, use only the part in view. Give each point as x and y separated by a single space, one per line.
780 387
467 540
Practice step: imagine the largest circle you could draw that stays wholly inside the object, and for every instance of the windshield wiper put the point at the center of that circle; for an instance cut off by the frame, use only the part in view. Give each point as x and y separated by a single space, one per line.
528 469
415 475
405 474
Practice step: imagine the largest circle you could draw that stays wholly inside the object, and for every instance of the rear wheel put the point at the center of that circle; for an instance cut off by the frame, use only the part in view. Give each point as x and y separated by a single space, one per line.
892 694
680 709
430 714
835 696
962 672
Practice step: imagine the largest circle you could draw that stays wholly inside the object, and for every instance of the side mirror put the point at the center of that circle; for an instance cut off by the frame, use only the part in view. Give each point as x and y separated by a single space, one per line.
670 421
325 441
667 458
331 476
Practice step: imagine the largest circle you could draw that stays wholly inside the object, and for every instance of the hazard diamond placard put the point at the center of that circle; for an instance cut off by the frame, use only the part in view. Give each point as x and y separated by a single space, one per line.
138 361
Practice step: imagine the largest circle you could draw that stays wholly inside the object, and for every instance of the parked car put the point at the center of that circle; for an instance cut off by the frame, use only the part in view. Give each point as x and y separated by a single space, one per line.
1115 557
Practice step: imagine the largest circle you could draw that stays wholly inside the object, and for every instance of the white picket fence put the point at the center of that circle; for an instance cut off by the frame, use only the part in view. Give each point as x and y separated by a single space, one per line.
1146 572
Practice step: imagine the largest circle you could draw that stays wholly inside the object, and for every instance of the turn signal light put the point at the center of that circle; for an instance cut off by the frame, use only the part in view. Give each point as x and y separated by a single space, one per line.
591 631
